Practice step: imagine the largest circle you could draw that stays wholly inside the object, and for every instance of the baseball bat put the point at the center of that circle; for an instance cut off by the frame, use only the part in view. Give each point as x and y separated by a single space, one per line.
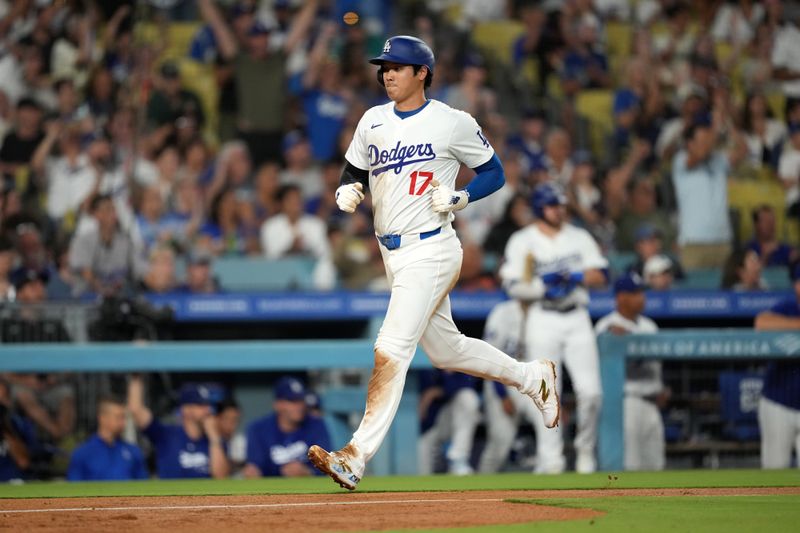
530 266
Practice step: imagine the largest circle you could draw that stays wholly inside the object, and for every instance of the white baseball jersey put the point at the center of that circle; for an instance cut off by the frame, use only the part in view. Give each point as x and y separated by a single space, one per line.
504 328
572 249
643 378
403 156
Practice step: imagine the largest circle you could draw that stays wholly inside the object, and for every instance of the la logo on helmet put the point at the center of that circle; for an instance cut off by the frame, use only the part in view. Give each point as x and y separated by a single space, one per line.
387 46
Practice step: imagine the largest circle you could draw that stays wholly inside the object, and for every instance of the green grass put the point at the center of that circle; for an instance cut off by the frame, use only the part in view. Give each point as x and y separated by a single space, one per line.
668 479
702 513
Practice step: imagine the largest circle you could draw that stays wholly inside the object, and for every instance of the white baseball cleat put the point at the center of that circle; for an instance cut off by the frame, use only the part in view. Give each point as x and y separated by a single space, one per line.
338 466
544 394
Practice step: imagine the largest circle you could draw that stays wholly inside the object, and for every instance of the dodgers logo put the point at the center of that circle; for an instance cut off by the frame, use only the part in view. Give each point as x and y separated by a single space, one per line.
387 46
399 156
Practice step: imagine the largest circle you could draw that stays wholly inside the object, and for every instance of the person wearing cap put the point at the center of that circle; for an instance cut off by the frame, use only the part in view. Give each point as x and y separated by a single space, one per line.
259 71
779 407
277 444
105 456
645 393
649 241
193 448
199 276
170 101
658 273
692 99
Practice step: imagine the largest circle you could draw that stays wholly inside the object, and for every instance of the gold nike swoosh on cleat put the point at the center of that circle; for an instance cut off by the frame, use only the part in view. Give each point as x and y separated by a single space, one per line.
544 392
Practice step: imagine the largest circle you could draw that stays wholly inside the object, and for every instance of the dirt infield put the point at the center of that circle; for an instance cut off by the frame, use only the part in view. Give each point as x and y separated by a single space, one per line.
315 513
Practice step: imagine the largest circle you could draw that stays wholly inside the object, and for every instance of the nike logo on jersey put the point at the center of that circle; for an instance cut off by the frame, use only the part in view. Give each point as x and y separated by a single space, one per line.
544 392
399 156
375 126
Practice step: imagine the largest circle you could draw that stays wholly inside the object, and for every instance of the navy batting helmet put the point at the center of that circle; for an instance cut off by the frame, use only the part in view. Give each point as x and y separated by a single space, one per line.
405 50
547 194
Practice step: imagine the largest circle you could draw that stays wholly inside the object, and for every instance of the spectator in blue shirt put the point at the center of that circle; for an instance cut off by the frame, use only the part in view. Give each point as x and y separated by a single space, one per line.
105 456
765 243
277 444
700 178
779 408
192 448
16 439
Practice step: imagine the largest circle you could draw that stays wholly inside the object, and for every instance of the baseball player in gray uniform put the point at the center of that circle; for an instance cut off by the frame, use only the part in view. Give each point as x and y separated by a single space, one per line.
644 390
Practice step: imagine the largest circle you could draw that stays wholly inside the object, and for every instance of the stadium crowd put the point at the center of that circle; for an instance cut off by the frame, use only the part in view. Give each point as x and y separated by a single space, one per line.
126 152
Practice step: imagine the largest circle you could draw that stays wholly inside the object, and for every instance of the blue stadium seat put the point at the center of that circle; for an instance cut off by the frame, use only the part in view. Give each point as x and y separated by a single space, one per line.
739 394
258 274
702 279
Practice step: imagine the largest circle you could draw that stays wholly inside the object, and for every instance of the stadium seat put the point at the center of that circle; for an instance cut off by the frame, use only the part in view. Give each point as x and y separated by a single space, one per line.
739 394
777 278
618 262
497 38
596 105
701 279
257 274
745 195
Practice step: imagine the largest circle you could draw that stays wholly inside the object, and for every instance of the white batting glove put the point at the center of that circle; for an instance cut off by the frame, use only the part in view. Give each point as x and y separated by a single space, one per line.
349 196
446 199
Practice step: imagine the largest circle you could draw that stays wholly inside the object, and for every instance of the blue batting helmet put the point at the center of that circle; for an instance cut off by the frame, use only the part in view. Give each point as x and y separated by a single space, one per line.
405 50
547 194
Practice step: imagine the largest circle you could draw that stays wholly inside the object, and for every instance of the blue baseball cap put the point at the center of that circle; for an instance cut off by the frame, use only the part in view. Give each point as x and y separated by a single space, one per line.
289 388
630 282
200 394
647 231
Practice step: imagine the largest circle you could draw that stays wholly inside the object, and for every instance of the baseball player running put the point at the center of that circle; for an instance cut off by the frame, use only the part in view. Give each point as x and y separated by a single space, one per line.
408 153
552 263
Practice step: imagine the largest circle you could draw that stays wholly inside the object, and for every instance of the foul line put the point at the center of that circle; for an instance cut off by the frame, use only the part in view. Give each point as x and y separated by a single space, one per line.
241 506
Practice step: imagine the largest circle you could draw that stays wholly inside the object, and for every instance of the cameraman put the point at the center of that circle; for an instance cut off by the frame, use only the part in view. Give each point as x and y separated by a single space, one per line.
16 439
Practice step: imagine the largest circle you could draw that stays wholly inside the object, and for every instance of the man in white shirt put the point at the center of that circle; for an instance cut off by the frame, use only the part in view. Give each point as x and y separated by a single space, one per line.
292 232
786 59
789 167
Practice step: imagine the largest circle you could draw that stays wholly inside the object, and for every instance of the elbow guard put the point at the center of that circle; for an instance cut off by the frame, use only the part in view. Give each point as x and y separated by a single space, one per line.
353 174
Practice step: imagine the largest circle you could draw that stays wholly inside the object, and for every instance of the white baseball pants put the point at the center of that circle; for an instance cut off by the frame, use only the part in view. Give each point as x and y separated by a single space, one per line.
568 338
455 422
780 432
644 435
421 275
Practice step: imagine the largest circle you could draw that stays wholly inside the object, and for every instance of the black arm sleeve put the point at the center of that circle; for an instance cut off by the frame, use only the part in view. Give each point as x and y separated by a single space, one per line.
353 174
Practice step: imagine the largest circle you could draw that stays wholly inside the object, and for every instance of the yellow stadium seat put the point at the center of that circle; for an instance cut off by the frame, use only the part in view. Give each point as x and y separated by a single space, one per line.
619 36
746 195
595 105
777 104
497 37
179 38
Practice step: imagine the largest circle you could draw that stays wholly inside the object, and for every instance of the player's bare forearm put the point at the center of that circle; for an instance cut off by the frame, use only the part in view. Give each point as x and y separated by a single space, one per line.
142 416
769 321
594 278
220 467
